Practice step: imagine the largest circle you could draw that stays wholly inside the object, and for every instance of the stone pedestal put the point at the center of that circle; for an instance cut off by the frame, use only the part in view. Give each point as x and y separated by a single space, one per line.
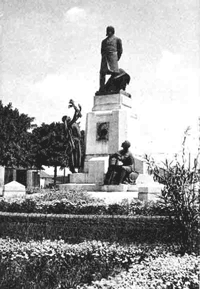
110 123
97 168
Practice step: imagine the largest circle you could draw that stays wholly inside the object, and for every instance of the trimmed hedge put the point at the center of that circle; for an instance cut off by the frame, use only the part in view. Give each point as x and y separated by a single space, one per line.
77 228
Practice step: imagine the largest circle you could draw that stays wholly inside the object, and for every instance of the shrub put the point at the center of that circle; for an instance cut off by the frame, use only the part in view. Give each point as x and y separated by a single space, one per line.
180 200
180 196
77 197
72 205
33 190
56 264
164 271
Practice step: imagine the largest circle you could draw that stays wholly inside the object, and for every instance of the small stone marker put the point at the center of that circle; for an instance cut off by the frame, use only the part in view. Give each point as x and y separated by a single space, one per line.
148 189
14 190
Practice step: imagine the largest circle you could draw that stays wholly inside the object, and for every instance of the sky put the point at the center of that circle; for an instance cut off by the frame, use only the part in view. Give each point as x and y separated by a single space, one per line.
50 53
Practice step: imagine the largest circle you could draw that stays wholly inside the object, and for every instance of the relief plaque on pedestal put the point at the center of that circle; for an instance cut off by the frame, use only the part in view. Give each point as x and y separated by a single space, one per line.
102 131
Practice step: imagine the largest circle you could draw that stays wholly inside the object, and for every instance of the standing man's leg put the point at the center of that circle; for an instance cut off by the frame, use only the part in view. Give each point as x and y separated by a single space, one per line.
102 81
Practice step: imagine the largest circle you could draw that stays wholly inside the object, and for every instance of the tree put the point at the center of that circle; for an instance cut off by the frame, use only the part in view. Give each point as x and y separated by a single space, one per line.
180 198
49 146
14 137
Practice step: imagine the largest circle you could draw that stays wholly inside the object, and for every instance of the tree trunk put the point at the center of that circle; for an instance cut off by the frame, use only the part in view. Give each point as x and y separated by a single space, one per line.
55 175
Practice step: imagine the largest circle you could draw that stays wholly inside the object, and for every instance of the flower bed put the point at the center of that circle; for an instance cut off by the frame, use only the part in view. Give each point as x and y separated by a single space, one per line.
93 265
166 271
57 264
71 196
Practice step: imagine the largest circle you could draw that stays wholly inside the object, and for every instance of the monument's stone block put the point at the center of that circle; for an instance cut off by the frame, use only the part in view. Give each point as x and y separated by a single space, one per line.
97 168
14 190
80 187
108 125
115 188
78 178
112 102
115 134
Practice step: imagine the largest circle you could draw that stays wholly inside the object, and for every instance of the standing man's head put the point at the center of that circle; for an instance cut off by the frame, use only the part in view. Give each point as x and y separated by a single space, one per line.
110 30
126 145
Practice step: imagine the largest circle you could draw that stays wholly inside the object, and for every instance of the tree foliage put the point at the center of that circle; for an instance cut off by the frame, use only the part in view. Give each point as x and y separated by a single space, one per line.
14 136
24 144
49 145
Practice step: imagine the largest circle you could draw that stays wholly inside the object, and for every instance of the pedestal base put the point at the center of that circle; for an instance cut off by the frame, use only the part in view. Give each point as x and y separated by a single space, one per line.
110 123
99 188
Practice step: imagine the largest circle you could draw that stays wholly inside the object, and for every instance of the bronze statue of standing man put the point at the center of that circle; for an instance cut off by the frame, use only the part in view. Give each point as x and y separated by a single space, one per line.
111 51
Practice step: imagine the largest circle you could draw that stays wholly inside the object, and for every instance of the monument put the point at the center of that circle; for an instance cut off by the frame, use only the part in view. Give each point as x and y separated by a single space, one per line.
109 124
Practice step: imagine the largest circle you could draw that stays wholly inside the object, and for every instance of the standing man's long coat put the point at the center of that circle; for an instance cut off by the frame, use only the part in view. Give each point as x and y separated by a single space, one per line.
111 51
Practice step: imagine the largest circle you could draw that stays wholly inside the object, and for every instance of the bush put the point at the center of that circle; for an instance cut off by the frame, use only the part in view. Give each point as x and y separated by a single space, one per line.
166 271
80 204
180 196
18 206
56 264
33 190
93 265
76 197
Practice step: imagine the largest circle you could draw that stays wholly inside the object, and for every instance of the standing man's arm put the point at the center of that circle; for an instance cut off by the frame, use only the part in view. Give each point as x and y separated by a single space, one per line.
119 48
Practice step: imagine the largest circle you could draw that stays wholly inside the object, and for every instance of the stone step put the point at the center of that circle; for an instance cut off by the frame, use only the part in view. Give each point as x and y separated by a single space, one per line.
80 187
114 197
98 188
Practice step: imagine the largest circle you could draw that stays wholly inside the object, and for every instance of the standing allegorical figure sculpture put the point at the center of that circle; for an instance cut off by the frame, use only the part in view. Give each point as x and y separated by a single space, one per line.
73 135
111 51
